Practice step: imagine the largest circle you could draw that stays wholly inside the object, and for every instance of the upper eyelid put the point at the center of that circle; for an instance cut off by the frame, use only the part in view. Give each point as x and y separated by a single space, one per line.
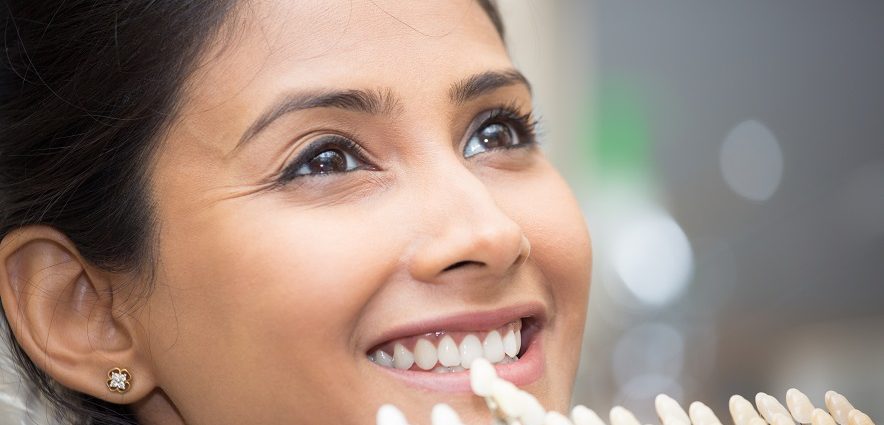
339 139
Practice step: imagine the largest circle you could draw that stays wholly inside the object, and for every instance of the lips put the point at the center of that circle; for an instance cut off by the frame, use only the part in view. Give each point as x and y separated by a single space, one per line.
436 353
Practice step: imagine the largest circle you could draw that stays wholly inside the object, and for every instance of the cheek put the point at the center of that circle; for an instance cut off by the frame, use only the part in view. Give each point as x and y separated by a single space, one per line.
269 260
259 283
551 218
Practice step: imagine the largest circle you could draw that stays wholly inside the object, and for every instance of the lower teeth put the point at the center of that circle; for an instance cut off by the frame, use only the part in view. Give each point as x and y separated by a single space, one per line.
448 369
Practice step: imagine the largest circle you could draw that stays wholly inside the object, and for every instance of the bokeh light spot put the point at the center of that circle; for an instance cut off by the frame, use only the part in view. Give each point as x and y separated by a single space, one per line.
751 161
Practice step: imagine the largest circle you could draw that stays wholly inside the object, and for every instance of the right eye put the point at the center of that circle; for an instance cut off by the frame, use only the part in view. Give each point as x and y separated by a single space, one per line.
329 155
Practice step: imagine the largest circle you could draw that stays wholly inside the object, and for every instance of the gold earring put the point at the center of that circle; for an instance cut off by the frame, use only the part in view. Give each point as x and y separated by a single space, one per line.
118 380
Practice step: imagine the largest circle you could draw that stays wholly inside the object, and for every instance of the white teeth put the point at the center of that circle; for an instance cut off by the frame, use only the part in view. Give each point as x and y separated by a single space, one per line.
402 358
493 347
448 355
382 358
509 344
447 352
446 369
470 349
425 354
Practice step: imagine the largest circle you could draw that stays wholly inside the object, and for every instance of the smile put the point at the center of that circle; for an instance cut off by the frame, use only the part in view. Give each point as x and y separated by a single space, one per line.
437 355
445 351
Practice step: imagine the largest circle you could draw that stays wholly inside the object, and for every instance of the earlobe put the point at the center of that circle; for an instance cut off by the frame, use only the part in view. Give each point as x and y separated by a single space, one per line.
62 312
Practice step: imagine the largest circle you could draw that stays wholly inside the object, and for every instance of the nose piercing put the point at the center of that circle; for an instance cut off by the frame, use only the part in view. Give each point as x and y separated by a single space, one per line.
118 380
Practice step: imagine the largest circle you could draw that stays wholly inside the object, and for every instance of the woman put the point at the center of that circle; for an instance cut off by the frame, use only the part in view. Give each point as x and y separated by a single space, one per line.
277 212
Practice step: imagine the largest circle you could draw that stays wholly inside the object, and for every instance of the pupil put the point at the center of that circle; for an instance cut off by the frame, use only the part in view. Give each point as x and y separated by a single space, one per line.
496 135
330 161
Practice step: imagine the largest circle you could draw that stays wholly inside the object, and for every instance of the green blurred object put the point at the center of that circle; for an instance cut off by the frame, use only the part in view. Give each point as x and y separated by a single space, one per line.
618 137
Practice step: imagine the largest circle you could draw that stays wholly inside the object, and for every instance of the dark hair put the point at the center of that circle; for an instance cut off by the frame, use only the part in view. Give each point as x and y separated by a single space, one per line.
86 90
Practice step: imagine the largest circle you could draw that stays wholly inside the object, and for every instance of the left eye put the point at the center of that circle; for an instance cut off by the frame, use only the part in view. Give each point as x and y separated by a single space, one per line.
331 160
327 156
504 129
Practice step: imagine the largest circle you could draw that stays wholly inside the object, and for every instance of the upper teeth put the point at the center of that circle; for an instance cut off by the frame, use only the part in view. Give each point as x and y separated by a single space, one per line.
442 353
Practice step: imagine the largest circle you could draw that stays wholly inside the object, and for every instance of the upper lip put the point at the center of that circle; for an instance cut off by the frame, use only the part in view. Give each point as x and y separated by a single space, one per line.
465 322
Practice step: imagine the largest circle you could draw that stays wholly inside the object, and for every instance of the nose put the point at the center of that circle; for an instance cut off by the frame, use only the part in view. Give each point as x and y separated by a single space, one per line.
465 231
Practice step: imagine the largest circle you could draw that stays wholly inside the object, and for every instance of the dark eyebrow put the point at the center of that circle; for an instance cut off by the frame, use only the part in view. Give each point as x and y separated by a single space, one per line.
374 102
476 85
379 101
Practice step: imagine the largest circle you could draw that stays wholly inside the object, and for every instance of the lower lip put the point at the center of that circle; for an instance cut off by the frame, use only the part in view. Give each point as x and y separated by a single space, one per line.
526 370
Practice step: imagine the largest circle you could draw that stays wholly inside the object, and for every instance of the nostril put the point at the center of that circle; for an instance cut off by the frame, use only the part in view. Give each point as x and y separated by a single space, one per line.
459 264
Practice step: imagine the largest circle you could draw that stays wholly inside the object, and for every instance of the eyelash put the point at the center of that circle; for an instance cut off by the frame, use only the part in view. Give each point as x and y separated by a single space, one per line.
524 125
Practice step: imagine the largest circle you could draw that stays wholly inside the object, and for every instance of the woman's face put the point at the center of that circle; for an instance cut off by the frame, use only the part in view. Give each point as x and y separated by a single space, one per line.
355 176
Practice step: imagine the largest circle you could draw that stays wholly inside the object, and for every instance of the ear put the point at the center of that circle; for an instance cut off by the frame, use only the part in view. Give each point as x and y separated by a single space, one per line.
67 316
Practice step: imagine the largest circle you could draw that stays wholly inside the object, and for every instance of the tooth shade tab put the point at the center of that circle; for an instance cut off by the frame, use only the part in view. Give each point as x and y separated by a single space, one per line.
769 407
482 377
742 411
670 412
582 415
855 417
701 414
621 416
390 415
838 406
820 417
799 405
443 414
555 418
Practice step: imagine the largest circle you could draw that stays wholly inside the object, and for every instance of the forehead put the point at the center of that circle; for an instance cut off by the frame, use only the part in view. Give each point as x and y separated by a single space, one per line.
411 46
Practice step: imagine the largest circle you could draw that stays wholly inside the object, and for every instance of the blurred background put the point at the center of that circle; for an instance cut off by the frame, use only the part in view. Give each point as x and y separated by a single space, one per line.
729 157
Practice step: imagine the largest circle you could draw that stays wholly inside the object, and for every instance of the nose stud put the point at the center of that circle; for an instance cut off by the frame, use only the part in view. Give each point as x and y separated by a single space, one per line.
118 380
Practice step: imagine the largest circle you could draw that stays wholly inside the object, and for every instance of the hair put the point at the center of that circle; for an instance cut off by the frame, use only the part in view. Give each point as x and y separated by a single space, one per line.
87 89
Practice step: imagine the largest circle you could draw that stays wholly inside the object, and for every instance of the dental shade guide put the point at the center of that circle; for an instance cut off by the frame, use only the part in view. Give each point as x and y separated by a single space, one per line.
510 405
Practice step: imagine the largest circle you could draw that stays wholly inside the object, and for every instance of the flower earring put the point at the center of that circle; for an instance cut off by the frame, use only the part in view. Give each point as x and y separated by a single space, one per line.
118 380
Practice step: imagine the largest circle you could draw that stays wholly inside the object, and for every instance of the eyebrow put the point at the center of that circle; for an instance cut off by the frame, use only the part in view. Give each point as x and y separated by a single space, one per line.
476 85
378 101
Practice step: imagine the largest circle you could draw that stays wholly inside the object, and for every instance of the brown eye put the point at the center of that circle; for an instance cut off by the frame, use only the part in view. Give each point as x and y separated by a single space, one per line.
502 128
330 161
491 136
327 156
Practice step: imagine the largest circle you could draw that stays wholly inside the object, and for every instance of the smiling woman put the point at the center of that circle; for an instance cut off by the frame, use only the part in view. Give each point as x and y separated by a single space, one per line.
311 208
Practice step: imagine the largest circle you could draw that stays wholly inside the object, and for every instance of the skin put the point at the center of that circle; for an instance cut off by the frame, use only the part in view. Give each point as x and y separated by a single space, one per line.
266 297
